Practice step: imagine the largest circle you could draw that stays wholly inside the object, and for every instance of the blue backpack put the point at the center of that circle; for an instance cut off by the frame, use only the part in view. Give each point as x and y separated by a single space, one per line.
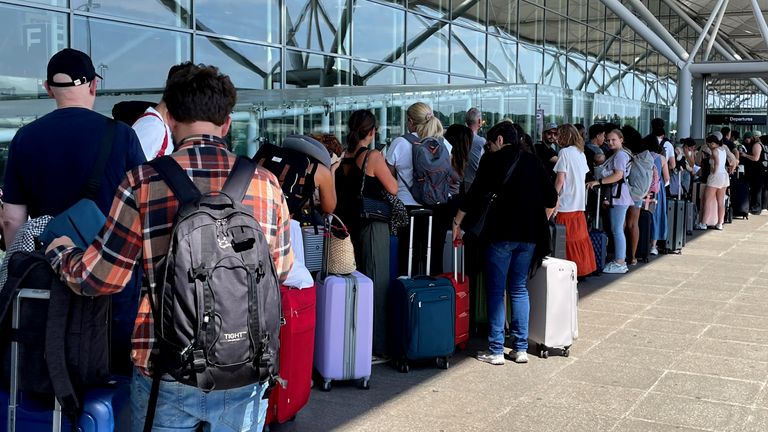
432 171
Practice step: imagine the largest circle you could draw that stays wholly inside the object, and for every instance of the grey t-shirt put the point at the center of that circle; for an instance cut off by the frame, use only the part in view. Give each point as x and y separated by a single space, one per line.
475 153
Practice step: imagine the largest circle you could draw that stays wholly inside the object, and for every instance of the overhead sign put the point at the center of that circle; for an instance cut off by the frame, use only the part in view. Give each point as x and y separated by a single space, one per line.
737 119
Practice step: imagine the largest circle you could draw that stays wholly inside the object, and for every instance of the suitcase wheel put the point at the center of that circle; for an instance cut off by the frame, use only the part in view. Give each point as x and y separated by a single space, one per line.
443 362
566 352
462 346
402 366
544 353
364 384
326 386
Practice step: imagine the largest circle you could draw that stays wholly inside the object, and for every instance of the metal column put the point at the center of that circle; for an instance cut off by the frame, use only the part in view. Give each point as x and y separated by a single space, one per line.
684 102
699 112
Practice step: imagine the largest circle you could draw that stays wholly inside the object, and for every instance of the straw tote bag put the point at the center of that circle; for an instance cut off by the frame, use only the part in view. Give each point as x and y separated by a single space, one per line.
340 252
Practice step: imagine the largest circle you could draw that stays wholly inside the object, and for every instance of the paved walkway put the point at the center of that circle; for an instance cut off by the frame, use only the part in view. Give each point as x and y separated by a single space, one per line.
678 344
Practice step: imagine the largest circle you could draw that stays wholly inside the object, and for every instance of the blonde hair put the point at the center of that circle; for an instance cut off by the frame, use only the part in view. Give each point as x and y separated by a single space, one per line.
618 133
567 136
424 121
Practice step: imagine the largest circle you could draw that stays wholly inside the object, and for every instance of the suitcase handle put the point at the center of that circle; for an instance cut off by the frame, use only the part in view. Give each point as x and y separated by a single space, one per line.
413 214
458 244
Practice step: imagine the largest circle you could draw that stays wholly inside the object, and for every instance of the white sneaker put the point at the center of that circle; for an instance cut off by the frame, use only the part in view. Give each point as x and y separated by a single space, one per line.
518 356
654 250
719 227
700 226
488 357
615 268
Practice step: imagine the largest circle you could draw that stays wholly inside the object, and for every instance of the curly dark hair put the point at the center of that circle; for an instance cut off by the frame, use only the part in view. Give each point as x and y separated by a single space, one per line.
200 93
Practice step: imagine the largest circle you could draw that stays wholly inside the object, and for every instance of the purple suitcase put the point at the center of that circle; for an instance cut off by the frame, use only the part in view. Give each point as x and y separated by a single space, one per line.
344 328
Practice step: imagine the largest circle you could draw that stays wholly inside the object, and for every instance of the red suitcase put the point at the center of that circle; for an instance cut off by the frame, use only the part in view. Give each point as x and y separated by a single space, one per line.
297 342
461 285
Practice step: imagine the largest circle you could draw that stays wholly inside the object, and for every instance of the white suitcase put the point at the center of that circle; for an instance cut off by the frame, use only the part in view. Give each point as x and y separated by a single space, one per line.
553 322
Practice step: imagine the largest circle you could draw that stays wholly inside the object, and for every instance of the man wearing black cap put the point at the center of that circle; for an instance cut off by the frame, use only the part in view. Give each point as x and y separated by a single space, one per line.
50 159
546 150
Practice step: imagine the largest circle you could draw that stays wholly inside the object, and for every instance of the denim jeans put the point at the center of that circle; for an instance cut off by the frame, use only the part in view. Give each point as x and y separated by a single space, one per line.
506 266
181 407
618 214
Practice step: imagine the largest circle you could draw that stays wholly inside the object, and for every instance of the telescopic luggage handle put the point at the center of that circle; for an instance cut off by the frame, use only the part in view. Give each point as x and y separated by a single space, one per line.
413 214
458 244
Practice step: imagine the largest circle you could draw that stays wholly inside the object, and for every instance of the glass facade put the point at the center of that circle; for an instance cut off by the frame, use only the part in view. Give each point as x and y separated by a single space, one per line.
573 59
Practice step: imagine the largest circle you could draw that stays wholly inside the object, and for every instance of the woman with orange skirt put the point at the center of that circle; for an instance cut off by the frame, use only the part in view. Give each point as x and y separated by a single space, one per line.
571 169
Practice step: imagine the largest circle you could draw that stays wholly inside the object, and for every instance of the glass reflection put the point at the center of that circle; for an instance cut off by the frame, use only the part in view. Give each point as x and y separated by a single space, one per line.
321 25
529 64
60 3
531 24
467 52
236 18
433 8
469 13
427 43
313 70
376 74
129 56
501 59
378 32
502 17
28 37
413 76
249 66
167 12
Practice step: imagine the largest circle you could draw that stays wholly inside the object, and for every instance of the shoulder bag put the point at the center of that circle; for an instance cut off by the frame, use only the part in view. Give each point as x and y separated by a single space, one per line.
373 209
474 222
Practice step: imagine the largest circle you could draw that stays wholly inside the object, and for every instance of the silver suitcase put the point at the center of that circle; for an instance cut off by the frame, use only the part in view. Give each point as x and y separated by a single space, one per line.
553 322
313 247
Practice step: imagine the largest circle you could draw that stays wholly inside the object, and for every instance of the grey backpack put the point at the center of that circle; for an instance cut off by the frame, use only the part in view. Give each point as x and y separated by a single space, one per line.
432 171
217 300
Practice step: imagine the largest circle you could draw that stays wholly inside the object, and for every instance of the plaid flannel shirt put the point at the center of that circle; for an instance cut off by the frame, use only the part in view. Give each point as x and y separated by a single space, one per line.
140 224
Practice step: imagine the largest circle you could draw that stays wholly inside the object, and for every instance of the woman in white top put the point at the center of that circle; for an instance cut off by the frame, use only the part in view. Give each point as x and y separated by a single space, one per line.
571 169
717 182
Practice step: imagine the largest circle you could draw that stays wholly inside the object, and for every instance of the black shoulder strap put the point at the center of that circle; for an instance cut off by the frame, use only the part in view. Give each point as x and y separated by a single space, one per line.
176 179
236 185
55 347
94 181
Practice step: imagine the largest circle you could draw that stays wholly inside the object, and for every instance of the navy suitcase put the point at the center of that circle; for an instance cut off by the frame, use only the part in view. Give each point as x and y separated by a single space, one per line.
645 223
739 192
423 313
599 239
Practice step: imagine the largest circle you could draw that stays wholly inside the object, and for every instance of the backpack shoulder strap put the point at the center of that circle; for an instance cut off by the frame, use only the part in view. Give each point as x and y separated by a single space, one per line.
239 178
56 349
176 179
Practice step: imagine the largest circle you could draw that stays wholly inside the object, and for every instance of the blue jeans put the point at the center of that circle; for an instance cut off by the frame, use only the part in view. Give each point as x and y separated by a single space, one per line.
181 407
506 266
618 214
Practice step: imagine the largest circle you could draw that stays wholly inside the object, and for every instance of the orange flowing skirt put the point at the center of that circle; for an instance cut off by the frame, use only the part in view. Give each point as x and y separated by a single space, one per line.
578 246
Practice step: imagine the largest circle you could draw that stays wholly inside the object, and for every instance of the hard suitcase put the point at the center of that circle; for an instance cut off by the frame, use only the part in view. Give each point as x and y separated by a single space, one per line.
739 192
423 313
676 225
599 239
313 247
461 286
645 224
297 341
553 322
691 215
448 250
557 233
344 330
105 408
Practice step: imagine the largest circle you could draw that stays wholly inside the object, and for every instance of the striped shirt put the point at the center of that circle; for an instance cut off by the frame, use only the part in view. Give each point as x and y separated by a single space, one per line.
140 224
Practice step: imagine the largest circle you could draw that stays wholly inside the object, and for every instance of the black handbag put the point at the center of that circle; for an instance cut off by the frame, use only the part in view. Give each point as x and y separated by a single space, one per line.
474 221
373 209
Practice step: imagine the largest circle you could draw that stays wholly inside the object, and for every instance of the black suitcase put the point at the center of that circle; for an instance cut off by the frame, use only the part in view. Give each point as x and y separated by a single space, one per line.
645 224
739 193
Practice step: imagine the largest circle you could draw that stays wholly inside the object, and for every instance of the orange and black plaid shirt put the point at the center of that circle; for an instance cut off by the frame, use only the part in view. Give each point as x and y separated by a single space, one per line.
140 224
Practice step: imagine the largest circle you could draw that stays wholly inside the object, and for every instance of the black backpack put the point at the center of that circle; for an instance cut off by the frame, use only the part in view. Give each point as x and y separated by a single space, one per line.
63 341
294 170
217 301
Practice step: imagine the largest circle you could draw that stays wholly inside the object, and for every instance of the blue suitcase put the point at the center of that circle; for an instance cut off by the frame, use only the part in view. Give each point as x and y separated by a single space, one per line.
423 313
599 239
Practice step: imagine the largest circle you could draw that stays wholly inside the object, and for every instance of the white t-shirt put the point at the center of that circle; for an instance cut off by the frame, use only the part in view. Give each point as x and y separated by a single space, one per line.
669 150
299 276
153 134
400 156
573 163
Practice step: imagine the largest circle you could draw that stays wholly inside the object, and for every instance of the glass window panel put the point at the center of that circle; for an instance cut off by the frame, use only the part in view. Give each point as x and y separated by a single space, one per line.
469 13
236 18
413 76
559 6
146 10
579 9
596 80
427 41
529 64
627 82
556 31
596 14
378 32
129 56
249 66
376 74
611 86
554 69
502 54
433 8
531 24
318 25
502 17
464 80
314 70
577 36
576 72
28 37
467 52
638 91
60 3
612 23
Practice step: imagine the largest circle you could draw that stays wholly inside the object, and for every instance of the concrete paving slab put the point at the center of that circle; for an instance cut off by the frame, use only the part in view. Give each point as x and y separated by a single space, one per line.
735 320
632 355
635 425
710 388
611 374
666 326
598 305
689 412
743 369
737 334
651 339
730 349
676 314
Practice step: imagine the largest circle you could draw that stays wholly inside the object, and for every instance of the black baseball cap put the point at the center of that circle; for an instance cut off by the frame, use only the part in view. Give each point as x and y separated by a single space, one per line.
74 63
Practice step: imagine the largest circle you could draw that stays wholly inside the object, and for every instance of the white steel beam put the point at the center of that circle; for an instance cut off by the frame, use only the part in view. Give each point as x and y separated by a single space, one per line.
715 31
760 19
744 67
653 22
721 4
644 31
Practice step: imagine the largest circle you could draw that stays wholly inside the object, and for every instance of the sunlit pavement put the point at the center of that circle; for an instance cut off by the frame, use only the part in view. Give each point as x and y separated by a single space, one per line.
679 344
